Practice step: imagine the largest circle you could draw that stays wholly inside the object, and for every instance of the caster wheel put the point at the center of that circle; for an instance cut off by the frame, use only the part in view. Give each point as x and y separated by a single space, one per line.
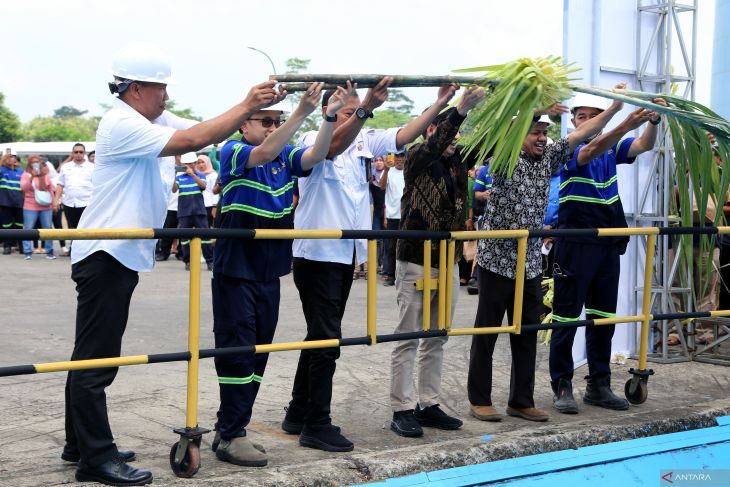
640 394
190 462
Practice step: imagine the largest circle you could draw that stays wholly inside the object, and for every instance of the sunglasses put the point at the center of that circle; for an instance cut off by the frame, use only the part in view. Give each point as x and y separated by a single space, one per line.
268 122
78 152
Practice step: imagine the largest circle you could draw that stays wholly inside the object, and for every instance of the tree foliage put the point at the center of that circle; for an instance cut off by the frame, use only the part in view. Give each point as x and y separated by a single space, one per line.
68 111
171 106
9 123
55 129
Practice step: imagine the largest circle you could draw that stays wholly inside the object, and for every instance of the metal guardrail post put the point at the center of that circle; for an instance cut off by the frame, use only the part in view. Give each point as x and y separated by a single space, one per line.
443 284
450 257
191 415
372 290
426 285
519 284
646 301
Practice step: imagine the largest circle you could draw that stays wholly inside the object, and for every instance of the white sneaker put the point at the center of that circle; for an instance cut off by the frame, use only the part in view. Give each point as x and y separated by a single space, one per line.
28 257
50 257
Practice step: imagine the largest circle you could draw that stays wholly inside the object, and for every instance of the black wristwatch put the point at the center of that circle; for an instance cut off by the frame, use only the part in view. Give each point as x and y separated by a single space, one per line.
363 114
658 121
327 118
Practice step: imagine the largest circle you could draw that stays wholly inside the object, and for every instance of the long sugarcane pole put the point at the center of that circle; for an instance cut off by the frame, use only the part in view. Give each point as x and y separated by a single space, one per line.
301 82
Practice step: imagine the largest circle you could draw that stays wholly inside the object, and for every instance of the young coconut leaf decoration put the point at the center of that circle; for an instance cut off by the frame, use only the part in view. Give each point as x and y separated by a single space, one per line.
500 124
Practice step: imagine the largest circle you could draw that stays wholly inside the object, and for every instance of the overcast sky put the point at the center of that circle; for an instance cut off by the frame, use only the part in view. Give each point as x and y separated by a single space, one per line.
58 53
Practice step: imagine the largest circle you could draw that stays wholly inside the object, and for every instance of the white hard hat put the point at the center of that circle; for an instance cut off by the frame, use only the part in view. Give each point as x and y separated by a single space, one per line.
142 61
545 119
189 158
590 101
279 107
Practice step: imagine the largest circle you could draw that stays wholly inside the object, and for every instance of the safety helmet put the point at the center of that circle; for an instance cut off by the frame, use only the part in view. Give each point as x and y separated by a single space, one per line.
189 158
545 119
142 61
591 101
279 107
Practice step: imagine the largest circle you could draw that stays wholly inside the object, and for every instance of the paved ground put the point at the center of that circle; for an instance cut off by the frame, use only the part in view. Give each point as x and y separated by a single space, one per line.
147 402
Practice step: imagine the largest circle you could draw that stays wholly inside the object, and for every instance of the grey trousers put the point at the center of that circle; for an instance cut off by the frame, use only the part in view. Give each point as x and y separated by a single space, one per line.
429 351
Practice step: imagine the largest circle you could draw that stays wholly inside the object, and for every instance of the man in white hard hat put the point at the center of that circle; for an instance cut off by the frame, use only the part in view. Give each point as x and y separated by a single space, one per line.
128 192
586 269
519 201
191 212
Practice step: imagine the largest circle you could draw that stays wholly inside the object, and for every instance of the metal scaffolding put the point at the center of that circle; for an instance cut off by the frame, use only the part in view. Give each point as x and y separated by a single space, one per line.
673 25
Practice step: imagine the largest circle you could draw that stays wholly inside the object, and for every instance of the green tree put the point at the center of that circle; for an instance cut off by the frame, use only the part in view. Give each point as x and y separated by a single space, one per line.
53 129
296 65
388 118
68 111
10 130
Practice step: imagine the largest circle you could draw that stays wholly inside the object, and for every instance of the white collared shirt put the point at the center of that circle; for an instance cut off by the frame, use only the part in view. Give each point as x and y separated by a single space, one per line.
76 182
335 196
128 190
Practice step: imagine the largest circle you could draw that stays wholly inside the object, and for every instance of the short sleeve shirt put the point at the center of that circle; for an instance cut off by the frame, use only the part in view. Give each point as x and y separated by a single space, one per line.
128 191
257 197
519 202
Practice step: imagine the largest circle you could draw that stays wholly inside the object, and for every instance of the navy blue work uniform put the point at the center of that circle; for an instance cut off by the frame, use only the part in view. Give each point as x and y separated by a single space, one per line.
11 201
586 269
191 212
246 273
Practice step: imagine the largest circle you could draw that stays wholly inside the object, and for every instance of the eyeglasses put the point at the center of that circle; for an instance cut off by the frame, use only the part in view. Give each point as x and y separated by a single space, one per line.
78 152
268 122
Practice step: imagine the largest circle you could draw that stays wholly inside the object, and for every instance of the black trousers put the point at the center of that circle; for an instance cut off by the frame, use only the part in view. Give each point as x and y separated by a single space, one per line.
195 221
587 274
58 223
165 244
73 215
244 313
496 295
104 288
323 289
11 218
389 247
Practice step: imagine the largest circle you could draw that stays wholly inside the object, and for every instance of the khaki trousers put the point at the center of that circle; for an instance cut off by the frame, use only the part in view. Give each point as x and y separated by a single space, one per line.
428 352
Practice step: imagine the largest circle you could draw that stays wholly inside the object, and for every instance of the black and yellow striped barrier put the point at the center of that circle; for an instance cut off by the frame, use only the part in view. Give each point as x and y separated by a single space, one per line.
184 452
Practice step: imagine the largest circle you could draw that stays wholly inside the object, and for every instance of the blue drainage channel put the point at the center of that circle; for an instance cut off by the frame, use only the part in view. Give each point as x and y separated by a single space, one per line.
688 458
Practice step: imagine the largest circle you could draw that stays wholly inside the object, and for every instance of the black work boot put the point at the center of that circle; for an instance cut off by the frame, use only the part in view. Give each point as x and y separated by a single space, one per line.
563 399
599 393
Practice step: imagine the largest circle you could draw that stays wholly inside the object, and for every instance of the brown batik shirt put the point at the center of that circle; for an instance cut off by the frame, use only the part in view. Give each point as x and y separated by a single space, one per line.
435 192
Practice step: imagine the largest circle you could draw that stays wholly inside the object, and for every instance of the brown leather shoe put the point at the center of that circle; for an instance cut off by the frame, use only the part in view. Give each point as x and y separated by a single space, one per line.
530 414
485 413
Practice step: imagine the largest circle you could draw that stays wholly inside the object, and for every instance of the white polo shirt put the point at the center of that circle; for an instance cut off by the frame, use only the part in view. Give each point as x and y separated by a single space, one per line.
76 182
128 191
394 188
335 196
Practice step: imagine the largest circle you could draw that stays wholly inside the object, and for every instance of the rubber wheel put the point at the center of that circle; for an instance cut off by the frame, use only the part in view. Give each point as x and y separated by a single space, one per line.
190 463
639 396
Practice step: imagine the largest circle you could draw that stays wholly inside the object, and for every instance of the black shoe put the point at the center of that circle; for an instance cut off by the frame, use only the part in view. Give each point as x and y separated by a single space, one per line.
325 437
7 251
434 417
472 288
161 258
113 472
71 454
390 281
563 399
292 427
599 393
187 266
210 266
404 423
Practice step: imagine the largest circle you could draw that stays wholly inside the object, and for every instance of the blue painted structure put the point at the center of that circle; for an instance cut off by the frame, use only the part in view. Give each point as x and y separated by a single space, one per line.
721 60
620 464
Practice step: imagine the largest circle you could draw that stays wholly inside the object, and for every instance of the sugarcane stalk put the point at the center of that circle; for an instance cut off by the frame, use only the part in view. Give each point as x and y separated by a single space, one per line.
301 82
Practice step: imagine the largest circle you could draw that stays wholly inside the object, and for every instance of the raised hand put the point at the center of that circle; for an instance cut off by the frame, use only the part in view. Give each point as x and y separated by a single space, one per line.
310 99
554 110
263 95
340 98
617 105
446 93
377 95
469 99
637 118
